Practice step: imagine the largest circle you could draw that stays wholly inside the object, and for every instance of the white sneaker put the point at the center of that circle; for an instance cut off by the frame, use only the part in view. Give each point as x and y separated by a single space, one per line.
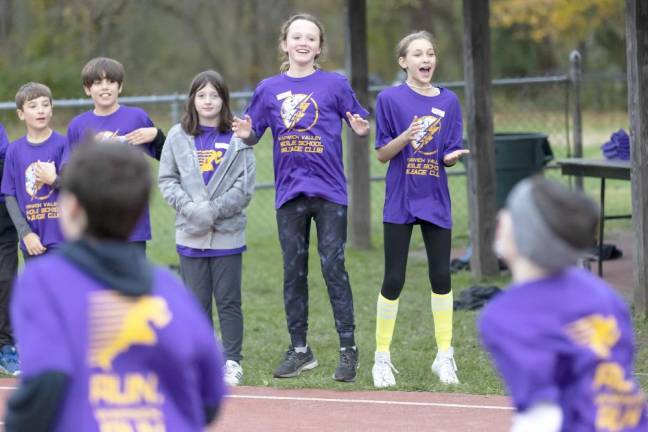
233 373
445 367
382 370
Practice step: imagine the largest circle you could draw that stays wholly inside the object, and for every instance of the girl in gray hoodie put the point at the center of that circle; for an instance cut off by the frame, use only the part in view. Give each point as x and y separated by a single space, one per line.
207 175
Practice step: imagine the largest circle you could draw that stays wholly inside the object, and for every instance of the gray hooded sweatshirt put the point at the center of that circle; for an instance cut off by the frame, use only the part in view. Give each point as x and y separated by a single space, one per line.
210 216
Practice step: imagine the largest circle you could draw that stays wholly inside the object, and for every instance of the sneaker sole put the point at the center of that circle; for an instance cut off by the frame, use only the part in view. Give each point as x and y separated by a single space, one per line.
233 382
345 380
306 366
436 372
385 384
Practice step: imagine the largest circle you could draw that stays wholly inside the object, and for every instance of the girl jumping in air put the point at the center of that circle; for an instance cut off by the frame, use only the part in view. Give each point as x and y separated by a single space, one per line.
419 132
304 107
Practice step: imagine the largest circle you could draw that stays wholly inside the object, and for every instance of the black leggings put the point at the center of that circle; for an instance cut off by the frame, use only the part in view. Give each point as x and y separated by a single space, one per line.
437 246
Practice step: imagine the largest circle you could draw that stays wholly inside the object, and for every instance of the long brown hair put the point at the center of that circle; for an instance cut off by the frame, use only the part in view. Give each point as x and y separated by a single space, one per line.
285 64
190 122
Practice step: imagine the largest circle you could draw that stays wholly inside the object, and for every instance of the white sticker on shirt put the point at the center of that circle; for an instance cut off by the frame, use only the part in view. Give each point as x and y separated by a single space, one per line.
284 95
438 112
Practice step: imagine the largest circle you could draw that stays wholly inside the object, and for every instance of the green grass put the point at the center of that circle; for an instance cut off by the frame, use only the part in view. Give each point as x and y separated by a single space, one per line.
413 347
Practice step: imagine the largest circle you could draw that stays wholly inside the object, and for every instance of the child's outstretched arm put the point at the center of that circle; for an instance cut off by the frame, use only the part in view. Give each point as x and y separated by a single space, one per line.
33 244
393 147
359 125
148 135
451 158
141 136
242 128
30 238
46 173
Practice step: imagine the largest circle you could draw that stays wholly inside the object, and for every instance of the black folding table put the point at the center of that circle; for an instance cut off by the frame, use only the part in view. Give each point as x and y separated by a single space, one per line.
604 169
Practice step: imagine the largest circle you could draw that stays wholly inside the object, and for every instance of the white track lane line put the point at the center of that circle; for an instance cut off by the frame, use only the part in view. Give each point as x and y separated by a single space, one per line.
372 402
359 401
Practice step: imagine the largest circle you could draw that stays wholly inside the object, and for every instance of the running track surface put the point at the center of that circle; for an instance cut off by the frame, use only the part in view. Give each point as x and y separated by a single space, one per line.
274 410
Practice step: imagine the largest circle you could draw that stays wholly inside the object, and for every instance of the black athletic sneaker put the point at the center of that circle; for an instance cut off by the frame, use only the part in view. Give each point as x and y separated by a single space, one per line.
346 370
294 363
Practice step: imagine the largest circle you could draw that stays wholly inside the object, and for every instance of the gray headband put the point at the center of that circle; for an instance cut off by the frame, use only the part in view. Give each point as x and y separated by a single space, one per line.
535 240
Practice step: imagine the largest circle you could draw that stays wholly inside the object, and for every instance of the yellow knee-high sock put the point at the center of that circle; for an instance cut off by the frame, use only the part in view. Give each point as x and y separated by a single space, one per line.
442 315
386 312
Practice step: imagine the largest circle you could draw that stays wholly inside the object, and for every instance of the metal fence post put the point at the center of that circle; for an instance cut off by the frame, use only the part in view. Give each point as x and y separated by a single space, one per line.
575 78
175 109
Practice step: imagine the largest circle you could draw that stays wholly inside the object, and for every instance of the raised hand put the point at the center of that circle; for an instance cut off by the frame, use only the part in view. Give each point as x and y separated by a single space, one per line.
141 136
359 125
413 130
45 172
242 127
452 157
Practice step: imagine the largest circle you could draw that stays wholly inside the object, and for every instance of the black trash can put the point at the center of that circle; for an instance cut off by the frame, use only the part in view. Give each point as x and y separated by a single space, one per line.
518 155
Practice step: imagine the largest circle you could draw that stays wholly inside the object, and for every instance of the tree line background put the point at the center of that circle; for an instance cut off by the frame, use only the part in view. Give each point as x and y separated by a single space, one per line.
164 43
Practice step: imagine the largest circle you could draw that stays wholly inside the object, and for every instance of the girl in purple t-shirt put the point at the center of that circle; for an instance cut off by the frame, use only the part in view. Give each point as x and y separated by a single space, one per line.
304 107
419 131
207 176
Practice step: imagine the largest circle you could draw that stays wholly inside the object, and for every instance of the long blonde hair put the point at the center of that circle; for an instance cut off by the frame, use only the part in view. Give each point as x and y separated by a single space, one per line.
285 64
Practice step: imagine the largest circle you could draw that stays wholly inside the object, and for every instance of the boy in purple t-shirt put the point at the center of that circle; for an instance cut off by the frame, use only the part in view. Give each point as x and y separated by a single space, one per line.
30 173
8 267
108 341
561 338
103 81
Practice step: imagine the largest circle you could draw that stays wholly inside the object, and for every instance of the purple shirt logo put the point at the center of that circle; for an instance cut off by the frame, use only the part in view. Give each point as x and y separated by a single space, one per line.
110 136
118 322
297 107
431 126
596 332
211 147
210 159
33 186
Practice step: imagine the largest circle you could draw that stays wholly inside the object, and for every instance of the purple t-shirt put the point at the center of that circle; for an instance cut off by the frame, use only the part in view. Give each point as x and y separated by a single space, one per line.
152 358
305 116
4 142
416 182
568 340
189 252
116 125
37 201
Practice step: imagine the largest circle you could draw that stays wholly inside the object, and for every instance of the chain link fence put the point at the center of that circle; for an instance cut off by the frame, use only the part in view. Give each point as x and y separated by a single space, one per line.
541 105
